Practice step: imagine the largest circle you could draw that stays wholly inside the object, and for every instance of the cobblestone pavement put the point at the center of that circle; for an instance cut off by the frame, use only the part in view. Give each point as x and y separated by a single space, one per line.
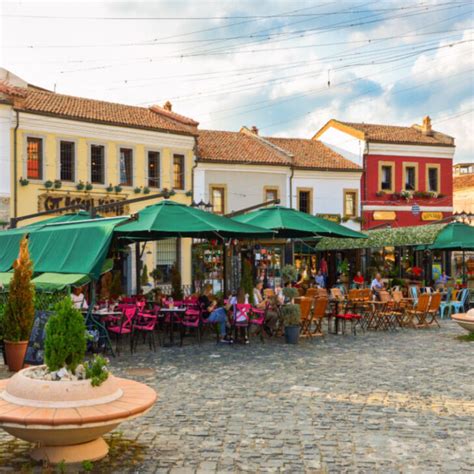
377 402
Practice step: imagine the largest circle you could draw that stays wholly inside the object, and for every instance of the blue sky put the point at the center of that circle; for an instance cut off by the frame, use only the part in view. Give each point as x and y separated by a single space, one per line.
285 66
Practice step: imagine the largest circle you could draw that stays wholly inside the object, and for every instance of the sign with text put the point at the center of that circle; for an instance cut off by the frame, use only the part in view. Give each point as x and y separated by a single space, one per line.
52 201
431 216
331 217
385 215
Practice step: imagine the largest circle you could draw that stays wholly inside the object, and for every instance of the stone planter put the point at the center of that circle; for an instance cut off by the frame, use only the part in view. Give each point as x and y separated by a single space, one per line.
292 334
465 320
15 354
66 419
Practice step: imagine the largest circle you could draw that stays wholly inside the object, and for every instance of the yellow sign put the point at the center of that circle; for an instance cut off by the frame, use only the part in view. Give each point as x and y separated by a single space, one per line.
385 215
431 216
330 217
52 201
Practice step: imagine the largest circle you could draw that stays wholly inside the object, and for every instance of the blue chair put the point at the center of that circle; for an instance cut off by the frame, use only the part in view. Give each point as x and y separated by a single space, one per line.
446 304
459 305
414 294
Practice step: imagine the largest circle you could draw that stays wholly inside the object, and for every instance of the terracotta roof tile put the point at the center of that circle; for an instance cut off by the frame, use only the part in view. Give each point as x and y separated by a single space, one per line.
13 91
313 154
236 147
462 182
396 134
97 111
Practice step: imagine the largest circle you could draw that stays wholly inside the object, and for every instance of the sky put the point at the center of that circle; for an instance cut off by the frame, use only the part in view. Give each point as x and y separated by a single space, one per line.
285 66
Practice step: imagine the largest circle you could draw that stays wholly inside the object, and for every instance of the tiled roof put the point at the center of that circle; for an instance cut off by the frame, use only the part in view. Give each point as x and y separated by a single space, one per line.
241 147
396 134
156 118
463 182
10 90
313 154
237 147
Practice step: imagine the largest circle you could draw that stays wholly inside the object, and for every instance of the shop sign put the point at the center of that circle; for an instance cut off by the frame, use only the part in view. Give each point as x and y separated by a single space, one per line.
331 217
431 216
50 202
385 215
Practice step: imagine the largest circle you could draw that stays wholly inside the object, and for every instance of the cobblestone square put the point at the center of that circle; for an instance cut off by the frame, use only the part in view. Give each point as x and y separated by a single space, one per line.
378 402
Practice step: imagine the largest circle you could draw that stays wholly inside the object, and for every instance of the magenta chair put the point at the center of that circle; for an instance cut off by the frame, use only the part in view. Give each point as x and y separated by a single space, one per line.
145 324
258 319
124 327
192 320
242 314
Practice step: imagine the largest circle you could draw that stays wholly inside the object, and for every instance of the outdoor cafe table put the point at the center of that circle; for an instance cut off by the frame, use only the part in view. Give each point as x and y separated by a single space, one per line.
95 319
173 312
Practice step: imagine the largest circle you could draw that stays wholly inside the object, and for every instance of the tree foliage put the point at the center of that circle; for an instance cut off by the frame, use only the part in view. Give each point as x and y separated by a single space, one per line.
20 308
144 276
65 342
176 288
116 285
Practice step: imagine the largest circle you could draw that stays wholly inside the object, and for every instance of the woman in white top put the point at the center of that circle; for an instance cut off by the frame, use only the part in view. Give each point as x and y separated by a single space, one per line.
78 299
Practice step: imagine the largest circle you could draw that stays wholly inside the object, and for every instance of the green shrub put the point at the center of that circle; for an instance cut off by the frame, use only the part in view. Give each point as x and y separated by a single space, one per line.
65 341
247 278
289 273
290 293
20 308
291 314
144 276
96 370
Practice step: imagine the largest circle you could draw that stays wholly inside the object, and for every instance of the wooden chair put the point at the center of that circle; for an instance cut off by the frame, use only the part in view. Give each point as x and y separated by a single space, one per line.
311 292
419 311
433 309
306 305
319 312
322 293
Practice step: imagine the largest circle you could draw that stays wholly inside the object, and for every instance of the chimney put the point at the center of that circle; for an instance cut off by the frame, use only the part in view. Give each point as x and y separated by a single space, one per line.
426 127
168 106
254 130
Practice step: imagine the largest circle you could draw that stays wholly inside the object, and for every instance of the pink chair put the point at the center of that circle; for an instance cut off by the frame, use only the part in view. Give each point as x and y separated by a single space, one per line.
191 319
124 326
145 324
258 319
242 314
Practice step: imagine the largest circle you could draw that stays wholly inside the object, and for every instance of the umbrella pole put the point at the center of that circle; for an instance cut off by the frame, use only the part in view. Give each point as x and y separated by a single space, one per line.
464 279
137 267
224 267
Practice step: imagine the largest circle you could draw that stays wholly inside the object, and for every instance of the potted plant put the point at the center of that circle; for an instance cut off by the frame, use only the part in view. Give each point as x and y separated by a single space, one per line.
146 190
137 190
57 184
344 271
291 316
89 187
24 181
48 184
80 186
118 188
157 275
19 310
289 273
109 188
69 403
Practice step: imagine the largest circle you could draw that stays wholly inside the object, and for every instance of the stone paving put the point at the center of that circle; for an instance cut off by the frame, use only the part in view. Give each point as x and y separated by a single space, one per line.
378 402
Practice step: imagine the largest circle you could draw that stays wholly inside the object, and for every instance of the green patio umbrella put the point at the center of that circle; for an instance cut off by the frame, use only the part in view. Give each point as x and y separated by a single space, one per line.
290 223
71 217
171 219
455 236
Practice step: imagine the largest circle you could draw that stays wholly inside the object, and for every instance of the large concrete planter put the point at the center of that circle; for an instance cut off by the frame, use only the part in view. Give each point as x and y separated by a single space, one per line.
465 320
15 354
66 419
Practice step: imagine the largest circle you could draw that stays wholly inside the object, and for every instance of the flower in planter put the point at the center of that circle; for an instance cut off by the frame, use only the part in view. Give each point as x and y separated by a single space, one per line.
80 186
189 193
137 190
48 184
118 188
24 182
380 193
109 188
405 194
57 184
146 190
89 187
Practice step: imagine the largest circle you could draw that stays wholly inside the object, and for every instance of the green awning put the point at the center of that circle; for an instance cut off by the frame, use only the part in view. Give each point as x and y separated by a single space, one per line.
9 247
78 248
378 238
5 278
171 219
290 223
59 281
455 236
71 217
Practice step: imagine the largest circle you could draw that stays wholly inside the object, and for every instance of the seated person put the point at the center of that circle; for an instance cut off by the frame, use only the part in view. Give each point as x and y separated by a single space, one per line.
78 298
320 280
258 300
377 285
205 300
442 280
359 280
218 314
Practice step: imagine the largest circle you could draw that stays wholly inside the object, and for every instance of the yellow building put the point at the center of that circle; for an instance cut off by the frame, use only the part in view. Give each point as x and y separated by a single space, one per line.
58 150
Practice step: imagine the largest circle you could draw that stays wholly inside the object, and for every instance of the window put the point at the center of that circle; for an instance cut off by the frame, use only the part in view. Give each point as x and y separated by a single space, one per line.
218 199
270 194
304 200
126 167
97 164
178 171
386 178
410 177
153 169
166 257
66 161
432 179
34 153
350 203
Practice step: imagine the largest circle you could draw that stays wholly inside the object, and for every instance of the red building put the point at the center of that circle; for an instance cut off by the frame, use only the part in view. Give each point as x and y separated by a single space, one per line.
407 177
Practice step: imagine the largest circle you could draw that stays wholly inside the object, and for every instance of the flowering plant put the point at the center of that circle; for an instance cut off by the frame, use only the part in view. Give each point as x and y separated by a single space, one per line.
405 194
